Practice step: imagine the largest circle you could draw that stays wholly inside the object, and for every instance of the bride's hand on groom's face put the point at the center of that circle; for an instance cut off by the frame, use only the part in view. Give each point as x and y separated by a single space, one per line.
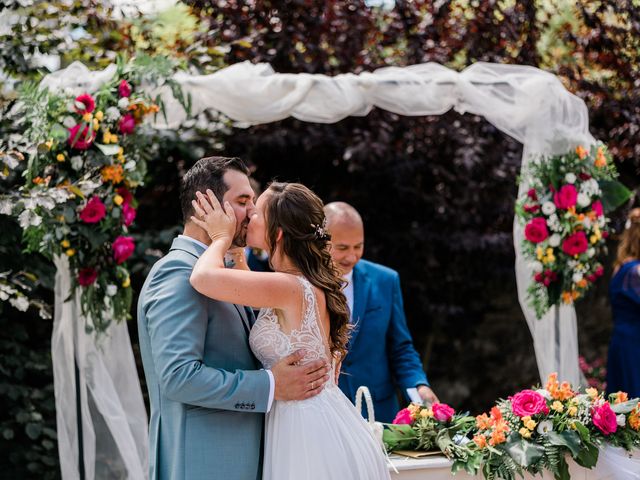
297 382
219 223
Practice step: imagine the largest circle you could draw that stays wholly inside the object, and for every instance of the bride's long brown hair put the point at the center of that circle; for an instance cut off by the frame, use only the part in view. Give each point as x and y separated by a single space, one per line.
299 213
629 246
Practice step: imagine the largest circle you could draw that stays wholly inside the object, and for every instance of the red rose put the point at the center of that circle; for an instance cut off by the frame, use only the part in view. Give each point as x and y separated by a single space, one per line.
125 194
531 208
86 276
81 140
604 419
536 230
527 403
94 211
599 271
584 176
122 248
532 194
597 207
128 214
538 277
442 412
87 104
566 197
605 234
127 124
575 244
124 89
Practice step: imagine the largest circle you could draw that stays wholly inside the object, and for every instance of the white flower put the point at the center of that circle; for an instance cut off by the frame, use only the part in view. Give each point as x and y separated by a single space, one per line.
20 302
591 252
548 208
554 240
76 162
576 277
88 186
6 206
584 200
544 392
29 218
621 420
69 122
123 103
570 178
130 166
112 290
545 426
45 202
112 114
536 266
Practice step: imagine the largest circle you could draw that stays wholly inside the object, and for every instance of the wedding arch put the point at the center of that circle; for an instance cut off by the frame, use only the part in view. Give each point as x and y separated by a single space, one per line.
526 103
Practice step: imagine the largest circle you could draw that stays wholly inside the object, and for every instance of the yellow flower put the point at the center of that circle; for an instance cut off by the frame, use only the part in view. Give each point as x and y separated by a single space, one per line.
70 252
127 282
114 138
427 412
106 137
531 424
96 124
120 151
524 433
99 115
87 117
572 410
526 419
592 392
539 253
49 144
557 406
60 157
572 425
65 244
118 200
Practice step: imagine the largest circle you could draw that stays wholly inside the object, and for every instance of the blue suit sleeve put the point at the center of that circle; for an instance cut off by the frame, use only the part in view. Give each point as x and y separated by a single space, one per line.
177 319
405 361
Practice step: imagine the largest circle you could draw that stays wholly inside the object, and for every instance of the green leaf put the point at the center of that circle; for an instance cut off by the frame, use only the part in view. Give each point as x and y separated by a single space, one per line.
614 194
588 456
624 407
525 453
108 150
58 132
563 470
568 439
398 437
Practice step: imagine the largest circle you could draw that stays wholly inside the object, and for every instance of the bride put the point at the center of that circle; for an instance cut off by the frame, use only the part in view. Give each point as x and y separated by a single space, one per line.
302 307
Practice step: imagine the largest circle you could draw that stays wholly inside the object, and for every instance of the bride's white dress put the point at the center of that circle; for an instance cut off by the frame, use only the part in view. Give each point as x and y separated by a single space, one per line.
323 437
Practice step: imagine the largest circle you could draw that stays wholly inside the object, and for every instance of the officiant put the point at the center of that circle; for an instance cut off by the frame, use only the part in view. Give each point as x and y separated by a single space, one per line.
381 352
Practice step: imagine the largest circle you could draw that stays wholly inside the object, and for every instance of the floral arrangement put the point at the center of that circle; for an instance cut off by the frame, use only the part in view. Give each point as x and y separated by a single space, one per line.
87 158
536 429
438 426
565 226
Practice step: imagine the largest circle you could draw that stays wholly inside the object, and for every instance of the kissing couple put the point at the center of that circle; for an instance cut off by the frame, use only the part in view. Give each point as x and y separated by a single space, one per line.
234 397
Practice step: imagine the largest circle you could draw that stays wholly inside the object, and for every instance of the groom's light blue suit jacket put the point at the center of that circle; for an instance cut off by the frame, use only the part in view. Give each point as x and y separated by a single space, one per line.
207 395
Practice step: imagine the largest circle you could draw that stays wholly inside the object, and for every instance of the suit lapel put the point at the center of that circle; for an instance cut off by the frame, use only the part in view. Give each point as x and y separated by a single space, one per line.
361 287
243 314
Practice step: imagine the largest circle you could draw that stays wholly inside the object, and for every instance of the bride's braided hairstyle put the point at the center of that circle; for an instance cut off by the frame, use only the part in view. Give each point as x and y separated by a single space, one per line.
298 211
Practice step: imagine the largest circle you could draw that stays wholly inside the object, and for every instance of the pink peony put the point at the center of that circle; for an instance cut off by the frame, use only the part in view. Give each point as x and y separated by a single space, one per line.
536 230
403 417
81 140
527 403
575 244
94 211
604 419
88 104
566 197
86 276
597 207
125 194
127 124
442 412
124 89
128 214
122 248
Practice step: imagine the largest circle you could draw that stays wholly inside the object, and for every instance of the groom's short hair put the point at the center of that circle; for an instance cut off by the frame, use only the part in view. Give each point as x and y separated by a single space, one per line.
207 173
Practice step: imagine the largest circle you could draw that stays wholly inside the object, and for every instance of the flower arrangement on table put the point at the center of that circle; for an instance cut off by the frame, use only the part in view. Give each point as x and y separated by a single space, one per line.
78 198
535 430
565 226
437 427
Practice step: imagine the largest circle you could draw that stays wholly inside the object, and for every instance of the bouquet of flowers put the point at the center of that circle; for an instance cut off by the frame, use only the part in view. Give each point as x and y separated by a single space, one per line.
86 160
534 430
418 427
565 227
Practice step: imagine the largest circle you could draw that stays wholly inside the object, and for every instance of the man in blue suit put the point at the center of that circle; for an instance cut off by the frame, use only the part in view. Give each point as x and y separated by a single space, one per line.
381 353
208 395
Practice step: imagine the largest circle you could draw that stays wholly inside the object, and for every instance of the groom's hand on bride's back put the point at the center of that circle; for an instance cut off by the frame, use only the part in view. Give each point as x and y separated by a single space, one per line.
297 382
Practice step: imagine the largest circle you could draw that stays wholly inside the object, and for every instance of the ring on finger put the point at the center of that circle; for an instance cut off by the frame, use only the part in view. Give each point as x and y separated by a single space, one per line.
313 385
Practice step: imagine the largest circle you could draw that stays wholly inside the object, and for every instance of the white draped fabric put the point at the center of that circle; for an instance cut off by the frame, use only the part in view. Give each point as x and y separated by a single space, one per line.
526 103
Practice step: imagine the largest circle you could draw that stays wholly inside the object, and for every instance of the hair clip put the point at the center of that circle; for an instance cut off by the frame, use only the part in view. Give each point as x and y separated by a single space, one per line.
320 231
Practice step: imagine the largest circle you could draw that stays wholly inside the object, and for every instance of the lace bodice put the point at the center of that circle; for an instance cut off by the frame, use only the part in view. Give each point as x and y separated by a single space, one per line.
270 344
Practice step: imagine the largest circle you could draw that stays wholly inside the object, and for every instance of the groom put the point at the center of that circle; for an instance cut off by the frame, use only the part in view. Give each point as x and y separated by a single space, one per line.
208 395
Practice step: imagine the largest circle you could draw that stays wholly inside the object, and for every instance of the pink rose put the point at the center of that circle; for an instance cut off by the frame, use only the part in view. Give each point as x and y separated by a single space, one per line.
403 417
597 207
86 276
124 89
575 244
527 403
604 419
442 412
81 140
87 102
128 214
566 197
536 230
122 248
127 124
94 211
